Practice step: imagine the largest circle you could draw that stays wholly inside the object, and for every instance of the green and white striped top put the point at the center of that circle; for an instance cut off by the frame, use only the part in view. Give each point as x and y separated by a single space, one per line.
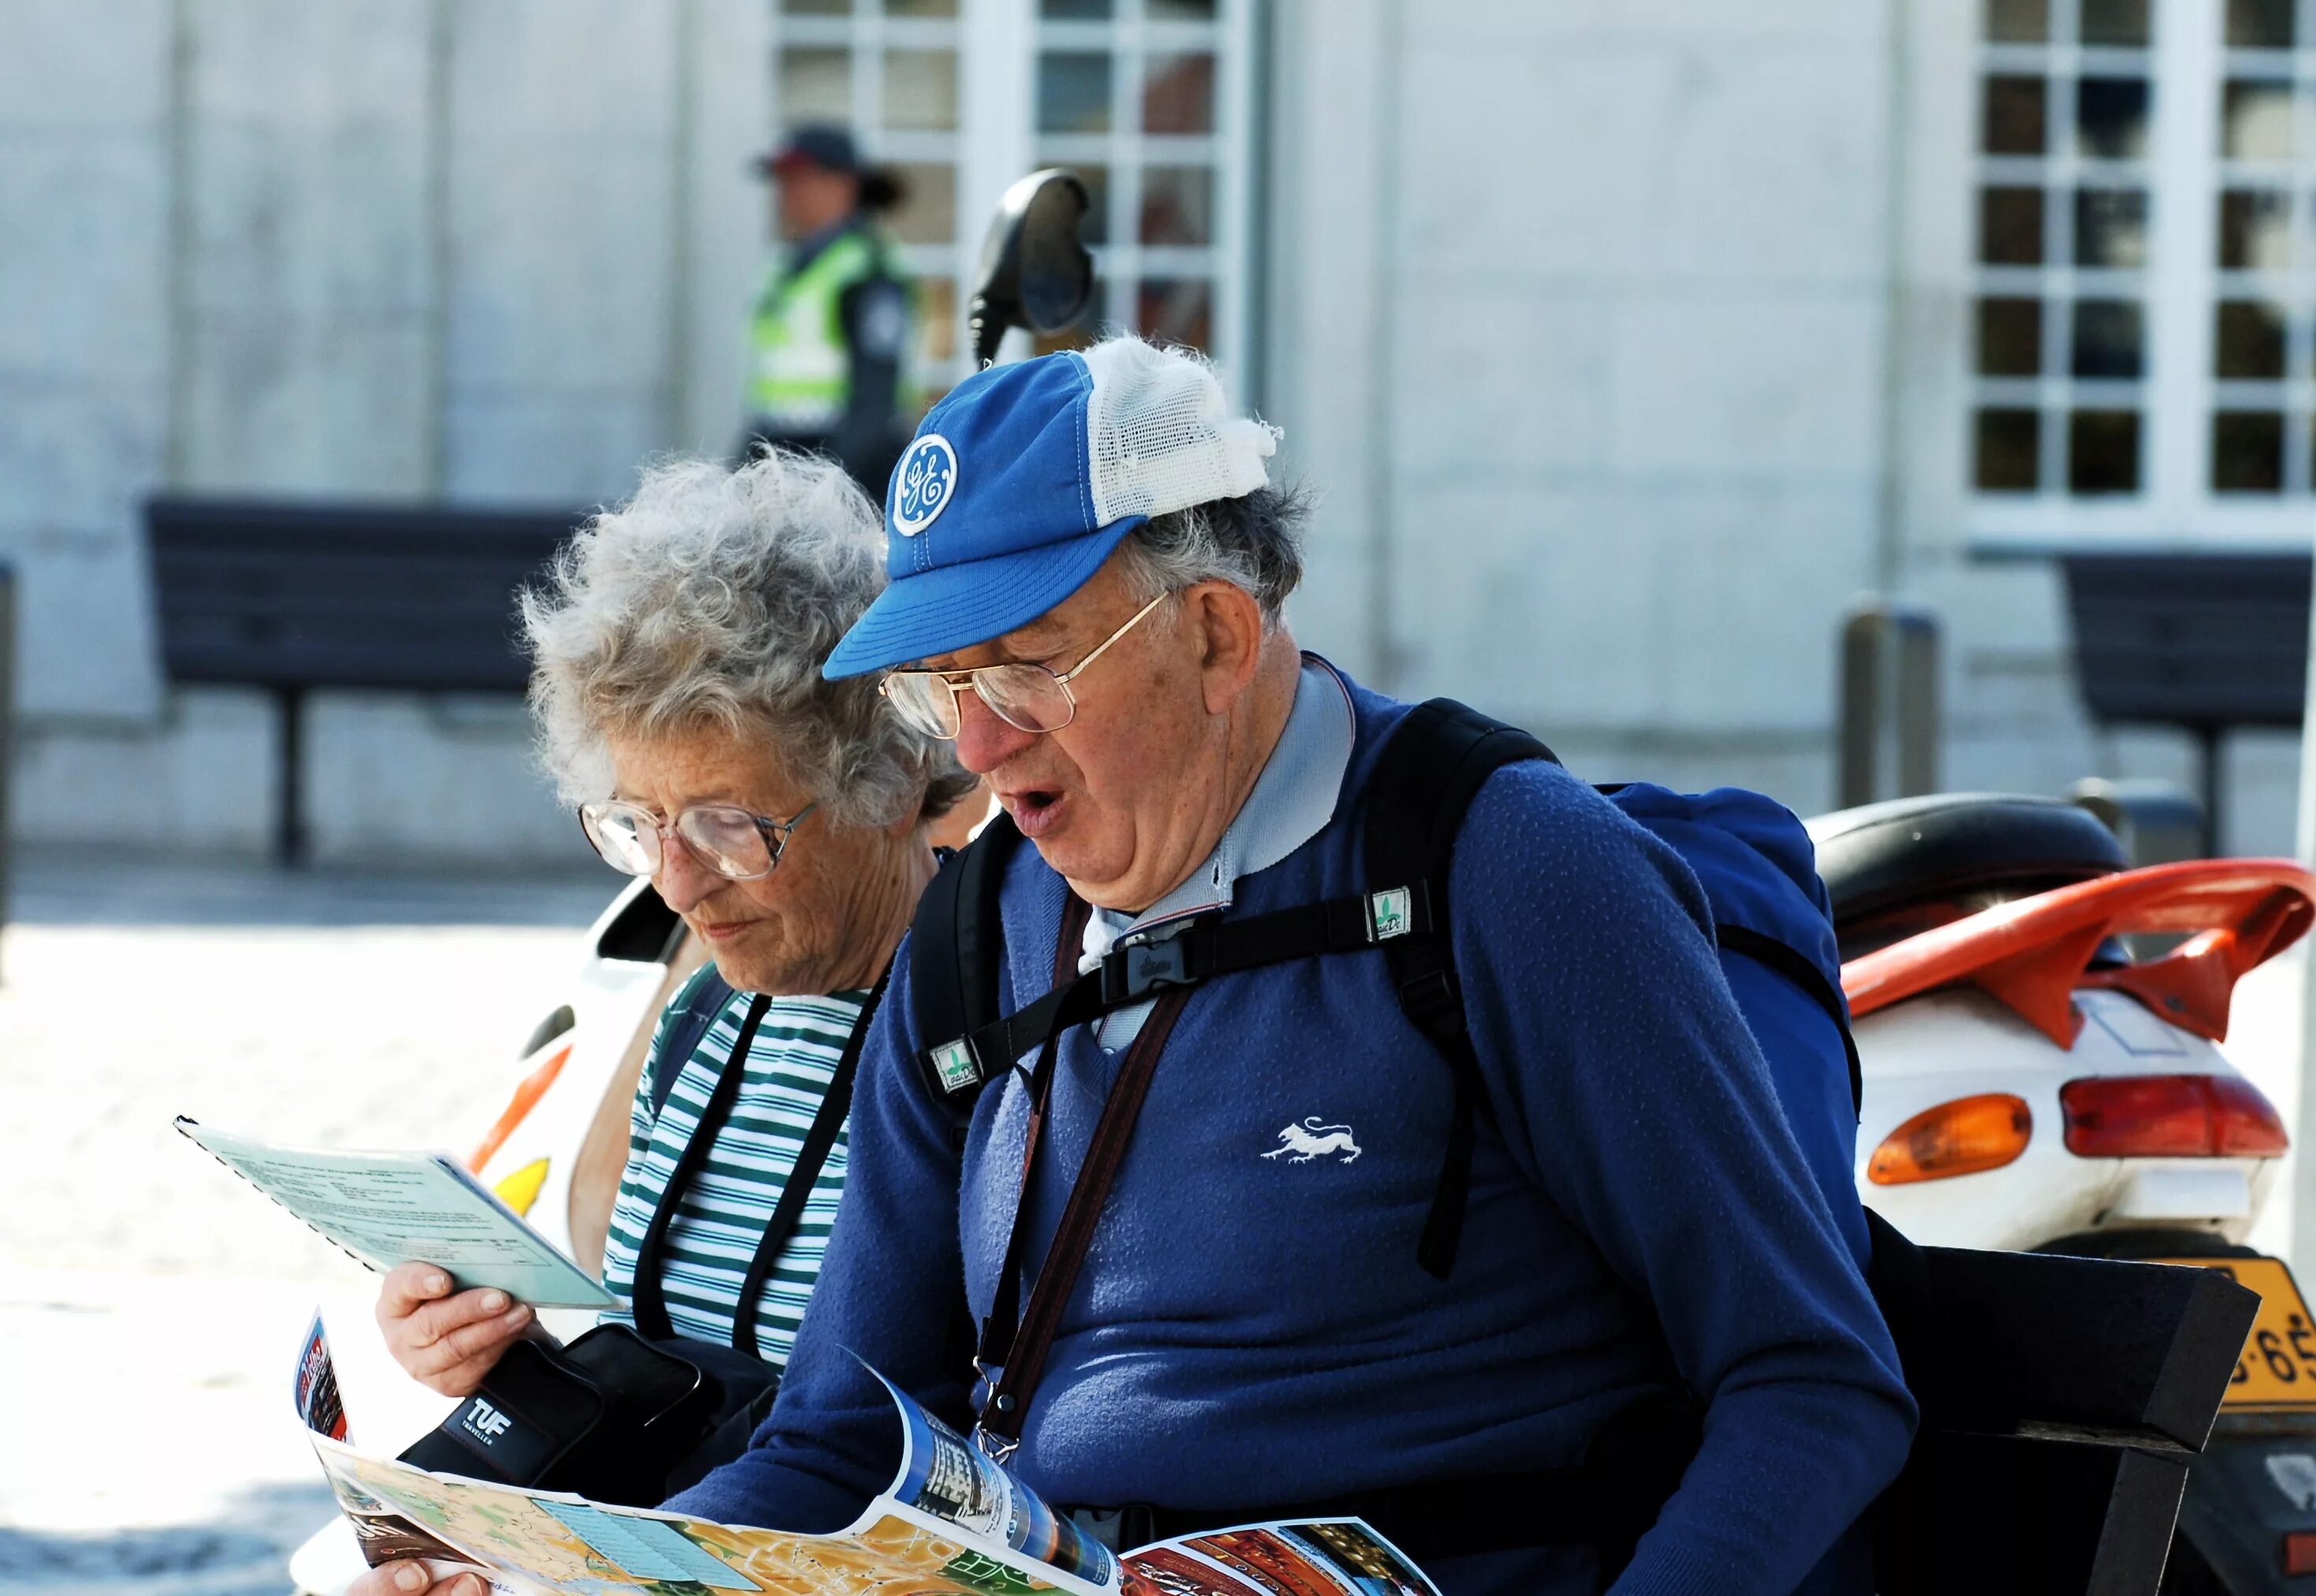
723 1213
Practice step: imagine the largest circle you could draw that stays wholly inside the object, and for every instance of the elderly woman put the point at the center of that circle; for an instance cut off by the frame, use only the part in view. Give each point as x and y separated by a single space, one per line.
677 684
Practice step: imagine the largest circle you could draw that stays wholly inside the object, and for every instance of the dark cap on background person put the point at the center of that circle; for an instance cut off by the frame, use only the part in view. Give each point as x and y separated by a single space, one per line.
823 145
830 147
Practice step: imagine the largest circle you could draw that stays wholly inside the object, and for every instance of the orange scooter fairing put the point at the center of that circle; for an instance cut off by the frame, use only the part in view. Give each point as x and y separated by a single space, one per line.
2032 954
527 1094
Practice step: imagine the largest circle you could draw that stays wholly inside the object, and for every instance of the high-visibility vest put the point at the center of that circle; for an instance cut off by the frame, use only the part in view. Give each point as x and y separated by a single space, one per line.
799 372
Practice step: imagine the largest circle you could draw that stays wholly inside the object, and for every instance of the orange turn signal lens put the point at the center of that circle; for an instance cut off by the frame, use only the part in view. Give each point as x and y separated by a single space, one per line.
1962 1138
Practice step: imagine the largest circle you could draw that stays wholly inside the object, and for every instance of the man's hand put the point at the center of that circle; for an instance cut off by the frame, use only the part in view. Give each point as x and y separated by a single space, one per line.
410 1578
446 1343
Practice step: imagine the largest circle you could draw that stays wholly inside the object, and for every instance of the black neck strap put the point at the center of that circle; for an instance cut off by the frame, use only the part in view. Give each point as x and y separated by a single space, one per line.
1015 1339
649 1302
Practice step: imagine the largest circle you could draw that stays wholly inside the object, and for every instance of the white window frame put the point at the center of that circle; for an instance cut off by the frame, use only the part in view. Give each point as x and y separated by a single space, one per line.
2175 506
997 141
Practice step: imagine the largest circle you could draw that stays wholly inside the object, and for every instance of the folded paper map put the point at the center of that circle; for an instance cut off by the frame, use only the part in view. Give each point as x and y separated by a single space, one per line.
951 1522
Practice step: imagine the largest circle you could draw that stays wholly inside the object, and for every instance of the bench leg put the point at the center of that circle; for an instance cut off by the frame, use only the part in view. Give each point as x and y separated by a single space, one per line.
290 756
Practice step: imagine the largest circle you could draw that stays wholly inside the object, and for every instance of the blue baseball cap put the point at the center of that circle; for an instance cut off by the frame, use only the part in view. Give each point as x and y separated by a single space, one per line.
1026 478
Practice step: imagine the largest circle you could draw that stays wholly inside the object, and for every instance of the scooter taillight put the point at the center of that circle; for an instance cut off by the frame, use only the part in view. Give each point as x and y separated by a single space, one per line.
2170 1117
1962 1138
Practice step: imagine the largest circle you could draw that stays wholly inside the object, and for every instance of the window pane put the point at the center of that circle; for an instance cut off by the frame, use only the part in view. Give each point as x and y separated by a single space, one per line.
2110 227
1092 11
815 85
1178 205
2255 230
2102 451
1177 95
936 319
816 7
919 8
1094 229
2256 121
2115 22
1073 92
1182 11
2010 337
2010 226
926 211
2008 441
2018 21
2247 453
2111 118
2110 337
1176 310
921 89
2016 115
2249 342
2260 24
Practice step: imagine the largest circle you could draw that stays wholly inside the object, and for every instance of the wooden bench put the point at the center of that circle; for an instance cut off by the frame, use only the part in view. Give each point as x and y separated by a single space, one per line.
292 597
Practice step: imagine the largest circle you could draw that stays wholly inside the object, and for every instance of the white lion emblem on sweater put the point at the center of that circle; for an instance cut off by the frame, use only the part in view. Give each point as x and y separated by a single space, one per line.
1310 1140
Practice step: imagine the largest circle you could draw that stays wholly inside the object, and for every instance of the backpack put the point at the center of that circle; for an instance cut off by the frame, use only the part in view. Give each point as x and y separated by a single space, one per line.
1751 855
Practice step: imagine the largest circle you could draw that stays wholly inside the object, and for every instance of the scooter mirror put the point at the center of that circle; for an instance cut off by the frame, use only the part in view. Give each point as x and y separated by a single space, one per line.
1035 273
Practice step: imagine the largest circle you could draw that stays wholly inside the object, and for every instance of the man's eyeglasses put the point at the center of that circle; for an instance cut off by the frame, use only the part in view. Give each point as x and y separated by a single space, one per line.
734 842
1028 697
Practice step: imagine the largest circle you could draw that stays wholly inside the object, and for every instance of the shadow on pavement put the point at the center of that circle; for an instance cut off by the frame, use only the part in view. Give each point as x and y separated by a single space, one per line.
246 1548
54 888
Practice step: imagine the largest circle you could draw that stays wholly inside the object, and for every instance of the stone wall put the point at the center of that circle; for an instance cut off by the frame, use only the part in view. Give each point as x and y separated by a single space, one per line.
1625 280
1616 335
487 251
1621 341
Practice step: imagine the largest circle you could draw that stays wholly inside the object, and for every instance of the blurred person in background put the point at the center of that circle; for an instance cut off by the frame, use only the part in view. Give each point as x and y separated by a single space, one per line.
787 819
829 338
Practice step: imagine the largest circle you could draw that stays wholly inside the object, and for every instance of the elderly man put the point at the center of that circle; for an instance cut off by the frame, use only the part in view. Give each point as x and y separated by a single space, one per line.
1088 575
1088 570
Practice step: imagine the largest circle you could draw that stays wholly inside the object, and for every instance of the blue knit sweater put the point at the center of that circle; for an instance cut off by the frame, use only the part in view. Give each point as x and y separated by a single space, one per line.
1254 1329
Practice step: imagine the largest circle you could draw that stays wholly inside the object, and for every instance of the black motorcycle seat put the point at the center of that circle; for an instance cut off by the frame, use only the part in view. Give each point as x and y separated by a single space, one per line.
1966 850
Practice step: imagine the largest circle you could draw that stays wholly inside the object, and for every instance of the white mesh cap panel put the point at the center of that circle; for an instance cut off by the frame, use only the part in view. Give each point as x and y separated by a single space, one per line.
1162 434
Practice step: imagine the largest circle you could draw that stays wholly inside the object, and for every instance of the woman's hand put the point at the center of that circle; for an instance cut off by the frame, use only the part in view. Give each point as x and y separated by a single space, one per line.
446 1343
410 1578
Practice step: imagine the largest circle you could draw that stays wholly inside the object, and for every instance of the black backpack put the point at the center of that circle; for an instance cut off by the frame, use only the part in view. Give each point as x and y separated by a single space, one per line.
1425 779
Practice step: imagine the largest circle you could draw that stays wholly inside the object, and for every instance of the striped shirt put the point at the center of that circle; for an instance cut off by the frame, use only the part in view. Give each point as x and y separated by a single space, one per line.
723 1212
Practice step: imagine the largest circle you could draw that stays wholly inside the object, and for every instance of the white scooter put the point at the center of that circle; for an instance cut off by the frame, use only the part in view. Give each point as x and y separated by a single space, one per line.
2033 1083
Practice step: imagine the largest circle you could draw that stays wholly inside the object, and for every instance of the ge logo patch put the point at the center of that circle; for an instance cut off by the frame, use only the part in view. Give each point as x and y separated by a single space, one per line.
924 485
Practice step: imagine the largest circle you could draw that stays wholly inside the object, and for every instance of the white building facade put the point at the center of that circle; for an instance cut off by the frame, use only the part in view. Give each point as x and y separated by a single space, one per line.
1625 342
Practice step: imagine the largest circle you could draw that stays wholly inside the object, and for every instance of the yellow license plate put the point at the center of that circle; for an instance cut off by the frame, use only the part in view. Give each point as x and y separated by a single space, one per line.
2278 1365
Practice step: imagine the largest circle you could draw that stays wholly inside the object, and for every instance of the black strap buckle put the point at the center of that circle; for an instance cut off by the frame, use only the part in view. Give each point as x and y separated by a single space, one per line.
1132 972
1428 998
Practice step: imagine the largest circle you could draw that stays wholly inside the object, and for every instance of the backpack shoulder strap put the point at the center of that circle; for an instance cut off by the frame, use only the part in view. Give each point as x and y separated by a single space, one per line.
1424 779
1788 962
956 950
693 1010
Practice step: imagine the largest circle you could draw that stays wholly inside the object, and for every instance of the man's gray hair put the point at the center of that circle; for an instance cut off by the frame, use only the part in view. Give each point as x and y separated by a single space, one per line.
709 600
1253 542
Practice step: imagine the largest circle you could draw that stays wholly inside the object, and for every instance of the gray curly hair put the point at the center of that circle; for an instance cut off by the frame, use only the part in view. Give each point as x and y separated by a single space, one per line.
709 600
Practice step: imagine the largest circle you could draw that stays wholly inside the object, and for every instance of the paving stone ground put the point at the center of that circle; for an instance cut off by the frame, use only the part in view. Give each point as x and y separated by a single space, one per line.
150 1303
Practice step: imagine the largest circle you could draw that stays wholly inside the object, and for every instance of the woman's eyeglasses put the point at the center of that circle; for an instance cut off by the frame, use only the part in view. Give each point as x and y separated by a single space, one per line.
726 838
1028 697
